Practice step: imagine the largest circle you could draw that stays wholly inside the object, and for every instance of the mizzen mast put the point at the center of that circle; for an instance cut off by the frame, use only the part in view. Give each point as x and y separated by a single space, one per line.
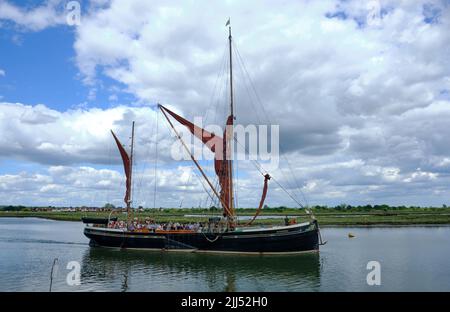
131 175
127 160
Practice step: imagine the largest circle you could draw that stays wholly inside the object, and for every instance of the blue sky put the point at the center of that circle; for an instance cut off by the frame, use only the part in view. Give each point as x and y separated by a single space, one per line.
40 68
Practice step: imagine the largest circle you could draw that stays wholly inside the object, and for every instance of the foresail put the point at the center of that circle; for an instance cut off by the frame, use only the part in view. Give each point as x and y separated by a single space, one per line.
127 167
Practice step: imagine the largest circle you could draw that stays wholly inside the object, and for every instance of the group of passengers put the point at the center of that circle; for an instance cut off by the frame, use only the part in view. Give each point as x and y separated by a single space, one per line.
152 226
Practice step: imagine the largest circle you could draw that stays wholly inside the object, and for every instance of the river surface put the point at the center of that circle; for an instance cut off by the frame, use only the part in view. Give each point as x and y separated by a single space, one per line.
410 258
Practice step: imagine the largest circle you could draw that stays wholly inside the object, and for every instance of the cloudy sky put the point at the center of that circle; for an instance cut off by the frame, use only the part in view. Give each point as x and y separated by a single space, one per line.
360 90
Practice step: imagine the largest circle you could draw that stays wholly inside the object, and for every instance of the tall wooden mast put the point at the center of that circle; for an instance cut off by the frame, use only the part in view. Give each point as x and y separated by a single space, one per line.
230 133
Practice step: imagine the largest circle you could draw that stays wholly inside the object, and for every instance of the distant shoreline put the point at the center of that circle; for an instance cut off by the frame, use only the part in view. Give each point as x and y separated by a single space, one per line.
380 225
334 219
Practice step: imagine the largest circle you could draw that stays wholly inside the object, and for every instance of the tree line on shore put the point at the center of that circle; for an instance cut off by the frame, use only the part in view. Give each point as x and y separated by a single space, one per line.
279 209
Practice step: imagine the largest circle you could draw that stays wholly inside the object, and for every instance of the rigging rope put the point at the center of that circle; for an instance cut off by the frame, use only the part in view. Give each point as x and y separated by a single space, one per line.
211 240
241 62
140 190
156 159
260 168
187 188
268 120
216 84
196 173
108 190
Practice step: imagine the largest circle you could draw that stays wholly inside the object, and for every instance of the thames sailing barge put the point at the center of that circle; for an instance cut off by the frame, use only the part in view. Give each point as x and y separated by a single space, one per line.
230 236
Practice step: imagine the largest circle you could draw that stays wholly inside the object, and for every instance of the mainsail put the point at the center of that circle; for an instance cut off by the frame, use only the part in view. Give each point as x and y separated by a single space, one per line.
218 146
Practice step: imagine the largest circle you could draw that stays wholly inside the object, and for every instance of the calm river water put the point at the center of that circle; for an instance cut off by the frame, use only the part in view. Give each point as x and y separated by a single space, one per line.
411 259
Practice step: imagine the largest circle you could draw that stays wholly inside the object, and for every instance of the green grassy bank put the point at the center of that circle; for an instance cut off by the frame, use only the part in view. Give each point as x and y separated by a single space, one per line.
426 216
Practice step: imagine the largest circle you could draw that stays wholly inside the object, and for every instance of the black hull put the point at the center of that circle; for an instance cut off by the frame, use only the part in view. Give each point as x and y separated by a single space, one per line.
289 239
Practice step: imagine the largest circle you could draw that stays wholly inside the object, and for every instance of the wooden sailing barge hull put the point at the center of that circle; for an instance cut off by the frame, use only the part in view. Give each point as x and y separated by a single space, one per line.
295 238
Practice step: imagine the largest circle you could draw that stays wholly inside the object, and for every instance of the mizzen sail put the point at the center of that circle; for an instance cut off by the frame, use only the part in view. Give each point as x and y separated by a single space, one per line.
127 168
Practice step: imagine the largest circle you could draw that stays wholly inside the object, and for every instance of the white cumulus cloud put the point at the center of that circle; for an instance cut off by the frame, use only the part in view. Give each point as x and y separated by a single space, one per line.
34 18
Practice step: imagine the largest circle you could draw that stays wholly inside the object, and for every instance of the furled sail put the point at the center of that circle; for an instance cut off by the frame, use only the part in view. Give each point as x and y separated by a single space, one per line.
217 145
127 168
263 198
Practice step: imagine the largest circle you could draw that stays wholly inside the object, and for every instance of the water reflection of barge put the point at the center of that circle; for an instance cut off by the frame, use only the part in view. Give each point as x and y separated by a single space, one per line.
135 269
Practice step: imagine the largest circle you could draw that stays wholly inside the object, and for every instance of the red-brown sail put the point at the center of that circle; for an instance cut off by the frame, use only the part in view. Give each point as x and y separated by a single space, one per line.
263 198
218 146
126 167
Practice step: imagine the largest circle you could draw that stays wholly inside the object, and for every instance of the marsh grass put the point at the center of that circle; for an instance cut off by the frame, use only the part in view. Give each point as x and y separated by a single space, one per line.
389 217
